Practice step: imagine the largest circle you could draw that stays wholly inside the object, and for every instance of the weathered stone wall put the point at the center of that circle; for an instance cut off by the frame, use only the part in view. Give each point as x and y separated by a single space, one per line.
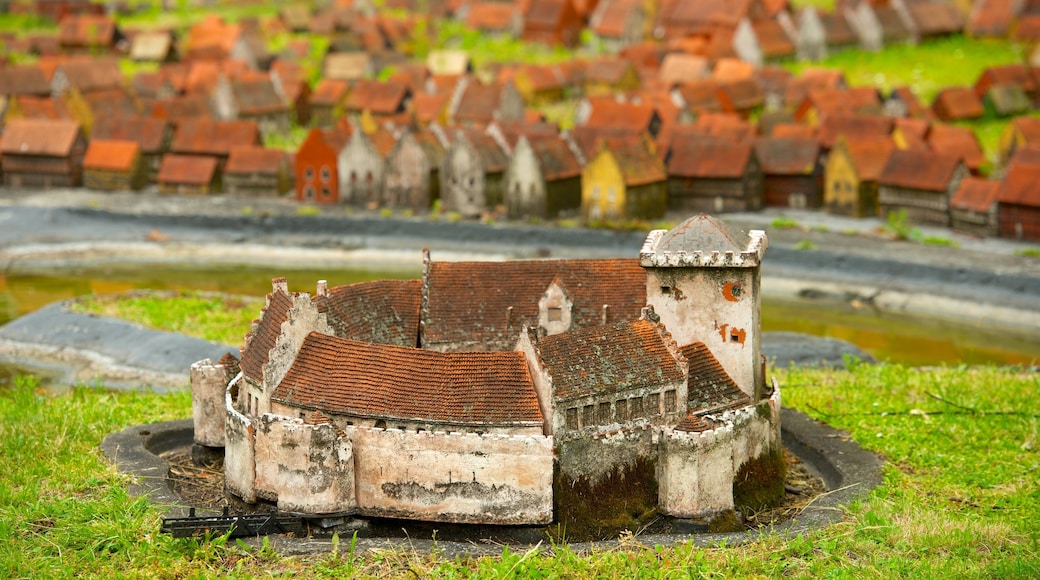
207 402
696 470
304 468
468 478
239 462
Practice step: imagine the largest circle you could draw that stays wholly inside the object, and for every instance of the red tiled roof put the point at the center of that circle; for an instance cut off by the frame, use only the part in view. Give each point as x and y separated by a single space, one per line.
52 138
1021 185
608 359
869 155
957 103
772 38
23 80
610 16
935 18
975 194
793 130
111 155
187 169
740 96
679 68
991 18
555 158
383 311
959 142
493 16
470 301
377 97
709 158
93 74
700 96
86 30
1028 28
710 388
638 163
329 92
350 377
923 170
610 113
852 127
787 155
259 343
253 159
257 97
208 137
42 107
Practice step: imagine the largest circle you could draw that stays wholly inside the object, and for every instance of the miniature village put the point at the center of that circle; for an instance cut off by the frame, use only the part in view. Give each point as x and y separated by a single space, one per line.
677 105
509 393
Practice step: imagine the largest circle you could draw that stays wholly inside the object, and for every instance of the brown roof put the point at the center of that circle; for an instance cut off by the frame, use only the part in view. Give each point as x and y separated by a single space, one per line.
828 100
260 341
957 141
608 70
470 301
798 87
922 170
914 106
637 162
991 18
1020 185
555 158
589 138
793 130
187 169
740 96
711 389
545 13
608 359
111 155
935 18
1007 74
86 30
329 92
610 16
730 126
428 107
957 103
869 155
700 96
208 137
490 15
182 107
251 159
478 102
852 127
24 80
377 97
1028 28
52 138
975 194
772 38
111 102
679 68
350 377
93 74
42 107
714 158
732 69
382 311
610 113
837 29
257 97
787 155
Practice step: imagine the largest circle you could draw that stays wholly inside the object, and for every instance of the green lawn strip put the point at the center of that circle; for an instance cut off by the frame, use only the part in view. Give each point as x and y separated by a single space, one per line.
960 497
215 317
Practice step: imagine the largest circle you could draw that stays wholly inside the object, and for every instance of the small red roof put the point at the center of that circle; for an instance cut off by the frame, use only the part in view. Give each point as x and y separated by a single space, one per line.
1021 185
921 170
111 155
52 138
957 103
251 159
187 169
975 194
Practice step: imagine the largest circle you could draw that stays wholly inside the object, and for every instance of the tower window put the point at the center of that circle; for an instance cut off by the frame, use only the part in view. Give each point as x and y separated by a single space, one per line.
666 290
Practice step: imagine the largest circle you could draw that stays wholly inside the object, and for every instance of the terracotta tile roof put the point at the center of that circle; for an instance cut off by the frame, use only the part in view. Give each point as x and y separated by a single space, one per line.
111 155
511 131
383 311
869 155
700 96
705 13
349 377
1028 128
959 142
709 158
893 28
991 18
51 138
469 301
1028 29
610 113
555 158
261 340
787 155
187 169
493 158
837 29
827 100
589 138
93 74
677 68
793 130
957 103
111 102
410 74
1028 154
692 423
1020 185
491 16
799 87
542 77
729 126
208 137
212 38
728 70
605 359
975 194
329 92
23 80
255 160
378 97
609 17
711 388
772 39
914 107
42 107
544 13
638 162
935 18
922 170
478 102
429 107
183 107
852 127
607 70
740 96
383 140
86 30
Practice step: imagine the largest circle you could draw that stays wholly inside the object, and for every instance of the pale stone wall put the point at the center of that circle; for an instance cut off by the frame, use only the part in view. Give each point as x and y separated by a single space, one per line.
207 402
595 457
304 468
482 479
541 379
696 470
239 462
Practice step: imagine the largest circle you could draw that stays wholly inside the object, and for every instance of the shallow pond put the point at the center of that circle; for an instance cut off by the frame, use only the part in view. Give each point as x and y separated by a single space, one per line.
887 336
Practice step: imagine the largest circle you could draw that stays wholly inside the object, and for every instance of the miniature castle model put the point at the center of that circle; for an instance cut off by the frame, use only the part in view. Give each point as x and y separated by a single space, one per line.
470 395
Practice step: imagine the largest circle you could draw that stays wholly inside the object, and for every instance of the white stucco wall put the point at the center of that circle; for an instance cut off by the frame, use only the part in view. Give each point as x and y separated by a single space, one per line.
207 402
239 463
305 468
435 476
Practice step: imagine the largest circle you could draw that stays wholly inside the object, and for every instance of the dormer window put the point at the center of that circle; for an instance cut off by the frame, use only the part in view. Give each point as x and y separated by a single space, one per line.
555 314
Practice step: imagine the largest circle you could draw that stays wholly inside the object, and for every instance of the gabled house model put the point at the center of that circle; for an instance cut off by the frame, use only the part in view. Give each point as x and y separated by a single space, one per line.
488 392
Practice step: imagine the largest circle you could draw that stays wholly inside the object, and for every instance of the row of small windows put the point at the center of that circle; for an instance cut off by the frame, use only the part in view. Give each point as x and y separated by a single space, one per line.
621 410
611 194
326 174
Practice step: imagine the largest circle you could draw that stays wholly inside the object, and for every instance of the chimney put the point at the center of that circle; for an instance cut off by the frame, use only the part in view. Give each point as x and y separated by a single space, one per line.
323 288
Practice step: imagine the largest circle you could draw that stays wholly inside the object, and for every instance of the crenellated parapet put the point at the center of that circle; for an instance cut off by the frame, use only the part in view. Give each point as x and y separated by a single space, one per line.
651 257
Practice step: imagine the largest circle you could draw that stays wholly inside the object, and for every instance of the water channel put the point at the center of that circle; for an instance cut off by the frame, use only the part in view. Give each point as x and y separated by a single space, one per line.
886 336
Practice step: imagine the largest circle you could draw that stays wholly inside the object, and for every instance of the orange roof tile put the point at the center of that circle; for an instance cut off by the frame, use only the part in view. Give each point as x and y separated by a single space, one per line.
52 138
869 155
922 170
251 159
709 158
382 311
787 155
1020 185
959 142
187 169
975 194
711 389
111 155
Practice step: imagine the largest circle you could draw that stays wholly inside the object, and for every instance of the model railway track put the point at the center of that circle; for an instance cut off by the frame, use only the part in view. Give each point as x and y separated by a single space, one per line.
237 525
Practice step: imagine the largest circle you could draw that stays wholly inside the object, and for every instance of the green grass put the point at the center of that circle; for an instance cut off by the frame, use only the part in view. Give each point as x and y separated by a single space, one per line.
1029 252
939 241
960 497
783 223
214 317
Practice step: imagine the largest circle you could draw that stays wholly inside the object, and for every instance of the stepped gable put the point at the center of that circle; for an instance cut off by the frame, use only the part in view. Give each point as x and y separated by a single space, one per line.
711 388
264 335
607 359
383 311
348 377
470 301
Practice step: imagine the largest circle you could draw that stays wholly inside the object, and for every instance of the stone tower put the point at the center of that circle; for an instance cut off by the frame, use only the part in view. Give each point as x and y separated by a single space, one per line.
703 280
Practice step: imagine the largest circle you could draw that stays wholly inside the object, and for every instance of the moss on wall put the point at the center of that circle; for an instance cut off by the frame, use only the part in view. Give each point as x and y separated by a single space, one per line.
624 499
760 481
